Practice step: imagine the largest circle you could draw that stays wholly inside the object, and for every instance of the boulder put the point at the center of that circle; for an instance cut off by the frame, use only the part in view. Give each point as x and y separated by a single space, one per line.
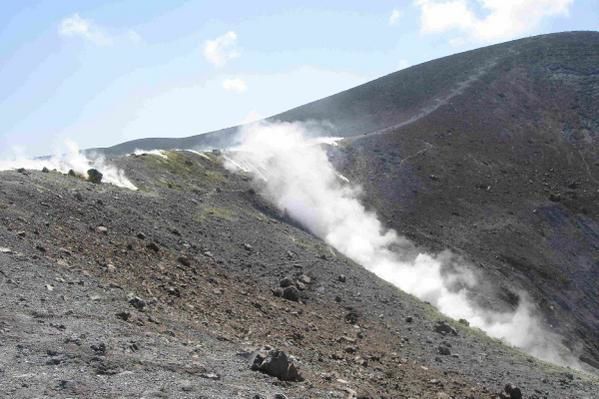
291 293
286 282
442 327
94 176
275 363
513 391
443 350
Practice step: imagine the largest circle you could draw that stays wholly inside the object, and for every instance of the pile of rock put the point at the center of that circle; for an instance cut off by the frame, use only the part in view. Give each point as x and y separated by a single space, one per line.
275 363
290 288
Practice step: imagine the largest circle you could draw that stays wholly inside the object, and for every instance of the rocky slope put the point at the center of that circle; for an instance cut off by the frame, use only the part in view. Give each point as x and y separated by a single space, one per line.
168 290
493 153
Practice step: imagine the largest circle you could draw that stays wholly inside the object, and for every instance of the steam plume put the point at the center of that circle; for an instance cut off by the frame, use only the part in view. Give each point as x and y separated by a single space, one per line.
296 175
73 159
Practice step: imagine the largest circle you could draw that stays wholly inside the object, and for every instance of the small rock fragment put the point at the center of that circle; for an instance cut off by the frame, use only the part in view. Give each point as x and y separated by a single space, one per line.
443 350
291 293
286 282
137 302
442 327
153 246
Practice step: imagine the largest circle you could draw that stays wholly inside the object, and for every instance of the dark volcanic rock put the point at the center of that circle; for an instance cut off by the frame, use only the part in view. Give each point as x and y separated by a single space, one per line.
291 293
442 327
94 176
153 246
513 391
275 363
286 282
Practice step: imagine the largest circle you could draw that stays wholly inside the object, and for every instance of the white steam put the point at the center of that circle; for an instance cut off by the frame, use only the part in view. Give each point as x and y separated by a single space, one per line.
158 153
297 176
73 159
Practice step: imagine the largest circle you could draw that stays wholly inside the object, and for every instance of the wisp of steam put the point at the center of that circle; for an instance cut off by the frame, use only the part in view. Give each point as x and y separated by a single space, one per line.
73 159
298 177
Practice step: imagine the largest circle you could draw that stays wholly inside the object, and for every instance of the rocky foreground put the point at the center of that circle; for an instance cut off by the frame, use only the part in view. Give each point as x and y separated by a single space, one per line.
194 287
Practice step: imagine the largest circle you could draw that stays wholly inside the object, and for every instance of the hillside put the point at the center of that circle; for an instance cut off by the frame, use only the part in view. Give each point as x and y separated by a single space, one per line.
506 173
492 153
162 292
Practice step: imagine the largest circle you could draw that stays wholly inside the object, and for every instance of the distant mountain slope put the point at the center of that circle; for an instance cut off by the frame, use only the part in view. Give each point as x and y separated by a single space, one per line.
507 173
407 95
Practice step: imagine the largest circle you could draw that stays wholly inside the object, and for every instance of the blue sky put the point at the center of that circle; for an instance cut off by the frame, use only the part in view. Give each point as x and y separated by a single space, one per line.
102 72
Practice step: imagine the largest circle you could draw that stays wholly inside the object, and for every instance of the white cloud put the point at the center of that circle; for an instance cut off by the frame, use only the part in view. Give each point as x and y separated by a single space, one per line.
221 50
236 84
502 19
75 26
394 17
134 36
86 29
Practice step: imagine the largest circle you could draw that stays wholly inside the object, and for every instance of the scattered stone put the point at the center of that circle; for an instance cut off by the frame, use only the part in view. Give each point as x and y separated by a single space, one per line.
286 282
99 349
184 260
275 363
185 385
409 319
153 246
137 302
305 279
443 350
22 171
125 316
78 196
102 229
352 316
513 391
464 322
248 247
21 234
278 292
210 376
342 278
554 197
141 236
442 327
291 293
94 176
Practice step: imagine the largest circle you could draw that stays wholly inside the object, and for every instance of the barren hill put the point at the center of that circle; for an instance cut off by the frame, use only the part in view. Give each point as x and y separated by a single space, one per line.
493 153
165 291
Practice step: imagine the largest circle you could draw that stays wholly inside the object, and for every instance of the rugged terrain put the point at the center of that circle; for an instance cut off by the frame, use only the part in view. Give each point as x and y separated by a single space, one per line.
162 292
493 153
167 291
